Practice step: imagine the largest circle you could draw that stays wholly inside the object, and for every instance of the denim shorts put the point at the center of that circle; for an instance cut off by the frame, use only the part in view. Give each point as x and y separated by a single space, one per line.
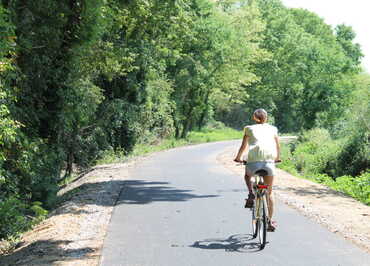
253 167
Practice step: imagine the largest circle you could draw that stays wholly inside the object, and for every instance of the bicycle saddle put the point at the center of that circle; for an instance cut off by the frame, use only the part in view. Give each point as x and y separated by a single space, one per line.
261 172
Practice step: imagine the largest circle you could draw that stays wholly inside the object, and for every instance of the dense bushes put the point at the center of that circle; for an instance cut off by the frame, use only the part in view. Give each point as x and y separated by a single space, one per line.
316 151
13 219
356 187
354 156
342 164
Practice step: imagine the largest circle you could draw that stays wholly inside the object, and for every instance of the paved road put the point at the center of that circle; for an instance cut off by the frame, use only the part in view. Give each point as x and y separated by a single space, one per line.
181 207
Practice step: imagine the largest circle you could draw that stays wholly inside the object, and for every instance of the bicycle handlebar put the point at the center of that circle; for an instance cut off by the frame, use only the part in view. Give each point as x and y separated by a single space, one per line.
245 162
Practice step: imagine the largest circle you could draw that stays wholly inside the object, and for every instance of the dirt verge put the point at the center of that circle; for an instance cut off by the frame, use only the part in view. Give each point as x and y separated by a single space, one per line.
74 233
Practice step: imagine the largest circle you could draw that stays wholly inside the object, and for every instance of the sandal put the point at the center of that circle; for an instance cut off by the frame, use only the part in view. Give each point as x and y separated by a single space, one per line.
249 202
271 226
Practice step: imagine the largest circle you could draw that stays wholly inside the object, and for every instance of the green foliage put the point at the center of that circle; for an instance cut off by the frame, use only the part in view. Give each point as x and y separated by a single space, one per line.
303 77
345 36
16 216
225 41
288 163
356 187
39 212
12 216
354 156
8 126
315 151
354 128
340 164
214 132
51 97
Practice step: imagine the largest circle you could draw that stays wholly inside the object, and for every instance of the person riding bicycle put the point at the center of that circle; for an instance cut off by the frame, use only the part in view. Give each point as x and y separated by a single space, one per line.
262 142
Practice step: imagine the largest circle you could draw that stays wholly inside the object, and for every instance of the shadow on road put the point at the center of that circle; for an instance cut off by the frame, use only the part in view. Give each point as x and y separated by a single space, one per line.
142 192
130 192
235 243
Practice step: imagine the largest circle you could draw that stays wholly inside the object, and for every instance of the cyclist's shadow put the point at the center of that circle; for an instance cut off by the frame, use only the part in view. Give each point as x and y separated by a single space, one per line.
235 243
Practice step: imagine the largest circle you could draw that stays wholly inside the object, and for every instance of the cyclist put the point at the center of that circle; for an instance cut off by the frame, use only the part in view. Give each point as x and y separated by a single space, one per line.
262 142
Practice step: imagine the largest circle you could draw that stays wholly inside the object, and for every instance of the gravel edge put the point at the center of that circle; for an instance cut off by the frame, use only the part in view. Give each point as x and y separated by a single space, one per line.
74 233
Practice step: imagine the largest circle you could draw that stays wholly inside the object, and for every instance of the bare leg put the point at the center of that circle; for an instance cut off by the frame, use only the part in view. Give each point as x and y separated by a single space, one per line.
247 179
269 180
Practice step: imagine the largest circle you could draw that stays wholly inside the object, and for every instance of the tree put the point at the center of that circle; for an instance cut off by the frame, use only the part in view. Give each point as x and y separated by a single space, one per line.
305 75
345 37
217 63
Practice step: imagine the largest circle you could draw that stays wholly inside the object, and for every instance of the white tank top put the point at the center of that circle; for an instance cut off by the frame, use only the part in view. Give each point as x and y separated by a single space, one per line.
262 145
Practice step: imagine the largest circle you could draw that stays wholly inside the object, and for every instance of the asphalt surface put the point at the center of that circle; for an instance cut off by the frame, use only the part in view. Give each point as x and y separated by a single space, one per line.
181 207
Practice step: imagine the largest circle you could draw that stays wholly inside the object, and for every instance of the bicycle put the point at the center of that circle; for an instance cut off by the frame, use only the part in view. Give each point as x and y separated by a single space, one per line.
259 210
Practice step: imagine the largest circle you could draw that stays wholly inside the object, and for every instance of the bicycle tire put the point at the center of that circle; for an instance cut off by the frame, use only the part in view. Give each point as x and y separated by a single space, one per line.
255 215
262 232
255 223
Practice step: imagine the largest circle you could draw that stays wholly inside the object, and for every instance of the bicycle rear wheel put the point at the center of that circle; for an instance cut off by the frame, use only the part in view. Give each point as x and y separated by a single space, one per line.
262 224
255 214
255 222
255 218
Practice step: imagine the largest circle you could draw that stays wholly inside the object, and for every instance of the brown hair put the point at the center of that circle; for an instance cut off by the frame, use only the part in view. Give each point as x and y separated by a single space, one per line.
260 116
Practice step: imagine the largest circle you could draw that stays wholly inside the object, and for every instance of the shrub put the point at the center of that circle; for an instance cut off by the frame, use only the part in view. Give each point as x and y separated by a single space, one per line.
16 216
315 151
12 218
320 158
287 159
356 187
354 156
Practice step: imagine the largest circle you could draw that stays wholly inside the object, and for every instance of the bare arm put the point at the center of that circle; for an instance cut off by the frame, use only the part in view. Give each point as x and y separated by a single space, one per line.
242 148
277 148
